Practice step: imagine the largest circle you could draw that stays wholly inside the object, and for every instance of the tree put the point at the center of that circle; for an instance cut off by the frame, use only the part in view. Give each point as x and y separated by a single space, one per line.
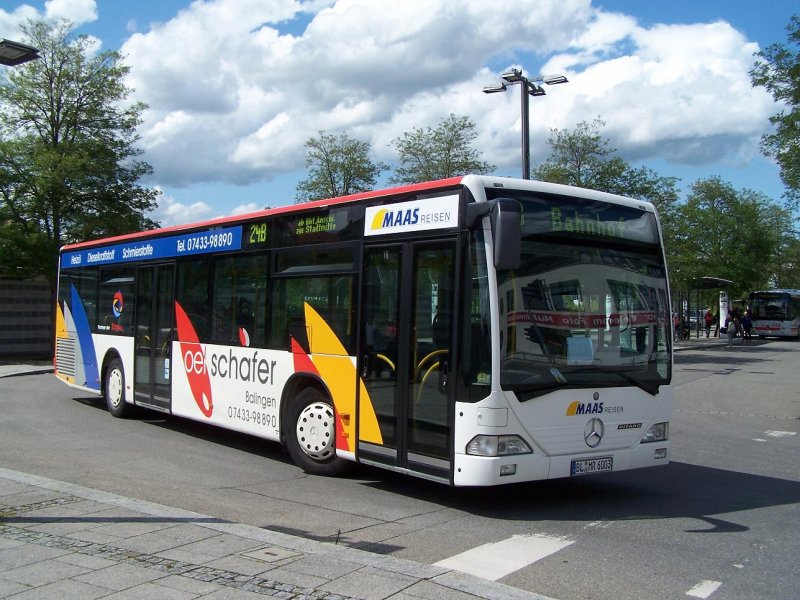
438 153
578 157
337 166
67 151
727 233
778 70
584 158
787 269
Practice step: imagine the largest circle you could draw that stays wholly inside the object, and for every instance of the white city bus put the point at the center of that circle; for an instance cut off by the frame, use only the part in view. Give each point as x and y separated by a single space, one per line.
474 331
776 313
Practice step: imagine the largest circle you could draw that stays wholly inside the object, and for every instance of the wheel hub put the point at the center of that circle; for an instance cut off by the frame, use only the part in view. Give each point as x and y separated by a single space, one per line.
114 390
316 431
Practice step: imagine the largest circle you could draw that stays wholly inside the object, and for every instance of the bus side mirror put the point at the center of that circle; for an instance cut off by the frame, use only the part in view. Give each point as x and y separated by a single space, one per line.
506 218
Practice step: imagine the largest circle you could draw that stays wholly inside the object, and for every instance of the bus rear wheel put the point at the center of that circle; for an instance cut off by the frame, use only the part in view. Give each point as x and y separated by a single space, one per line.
311 434
115 390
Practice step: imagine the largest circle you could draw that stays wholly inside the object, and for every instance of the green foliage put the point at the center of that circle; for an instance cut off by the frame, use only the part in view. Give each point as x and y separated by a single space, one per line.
337 166
787 269
68 170
583 158
735 235
580 157
438 153
778 70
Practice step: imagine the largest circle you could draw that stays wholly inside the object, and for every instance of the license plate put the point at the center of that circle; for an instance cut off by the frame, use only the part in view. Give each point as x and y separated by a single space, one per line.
585 466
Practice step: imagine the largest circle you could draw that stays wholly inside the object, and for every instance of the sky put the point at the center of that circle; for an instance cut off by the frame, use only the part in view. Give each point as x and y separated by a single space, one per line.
236 87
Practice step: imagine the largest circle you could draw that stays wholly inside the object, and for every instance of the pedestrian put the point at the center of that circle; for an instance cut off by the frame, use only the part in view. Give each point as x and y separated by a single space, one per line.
709 319
747 325
730 328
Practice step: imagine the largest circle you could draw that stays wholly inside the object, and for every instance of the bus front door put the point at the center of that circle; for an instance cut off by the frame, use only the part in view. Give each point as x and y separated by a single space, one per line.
406 353
154 334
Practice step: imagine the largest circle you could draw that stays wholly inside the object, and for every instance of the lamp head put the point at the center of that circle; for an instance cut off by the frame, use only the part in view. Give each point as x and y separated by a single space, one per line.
512 76
493 89
14 53
554 79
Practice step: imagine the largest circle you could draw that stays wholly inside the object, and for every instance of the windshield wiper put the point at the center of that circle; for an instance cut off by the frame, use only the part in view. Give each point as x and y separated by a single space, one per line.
526 391
650 388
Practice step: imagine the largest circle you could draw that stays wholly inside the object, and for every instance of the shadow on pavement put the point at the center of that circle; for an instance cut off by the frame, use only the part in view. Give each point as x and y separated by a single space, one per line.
678 490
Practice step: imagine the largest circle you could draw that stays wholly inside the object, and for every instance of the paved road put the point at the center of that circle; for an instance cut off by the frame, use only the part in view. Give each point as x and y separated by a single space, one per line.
719 522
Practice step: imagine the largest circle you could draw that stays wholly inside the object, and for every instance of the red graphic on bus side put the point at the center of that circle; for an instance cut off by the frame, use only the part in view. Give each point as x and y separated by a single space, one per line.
194 361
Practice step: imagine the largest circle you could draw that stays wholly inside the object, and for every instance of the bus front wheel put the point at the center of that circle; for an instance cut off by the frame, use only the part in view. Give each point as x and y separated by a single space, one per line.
311 434
115 390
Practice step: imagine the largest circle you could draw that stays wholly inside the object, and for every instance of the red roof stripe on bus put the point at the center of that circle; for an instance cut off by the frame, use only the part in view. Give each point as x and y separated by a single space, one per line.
416 187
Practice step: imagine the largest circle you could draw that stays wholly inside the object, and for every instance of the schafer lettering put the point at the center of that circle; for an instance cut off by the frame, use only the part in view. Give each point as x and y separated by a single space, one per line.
250 369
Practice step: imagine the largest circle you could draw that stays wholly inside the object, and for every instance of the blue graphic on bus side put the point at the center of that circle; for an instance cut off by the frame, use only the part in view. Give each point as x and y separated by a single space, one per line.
85 341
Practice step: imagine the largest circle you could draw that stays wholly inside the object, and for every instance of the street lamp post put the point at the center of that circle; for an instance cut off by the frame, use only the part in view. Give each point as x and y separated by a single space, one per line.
14 53
529 87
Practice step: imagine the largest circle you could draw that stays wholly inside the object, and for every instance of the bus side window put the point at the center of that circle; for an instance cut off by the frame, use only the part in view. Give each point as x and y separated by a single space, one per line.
329 295
116 302
193 294
239 302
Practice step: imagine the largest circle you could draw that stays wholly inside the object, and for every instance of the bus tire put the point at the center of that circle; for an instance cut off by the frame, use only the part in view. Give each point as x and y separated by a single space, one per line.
311 434
114 390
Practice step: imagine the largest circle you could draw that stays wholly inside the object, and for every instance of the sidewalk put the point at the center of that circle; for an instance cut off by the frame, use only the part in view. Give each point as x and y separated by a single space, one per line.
11 367
59 540
709 342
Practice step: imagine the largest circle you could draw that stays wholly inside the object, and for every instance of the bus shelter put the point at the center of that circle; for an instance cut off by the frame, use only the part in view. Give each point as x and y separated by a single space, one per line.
691 306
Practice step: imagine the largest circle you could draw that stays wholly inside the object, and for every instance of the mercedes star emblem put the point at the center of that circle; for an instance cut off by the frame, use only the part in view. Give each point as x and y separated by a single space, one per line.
593 432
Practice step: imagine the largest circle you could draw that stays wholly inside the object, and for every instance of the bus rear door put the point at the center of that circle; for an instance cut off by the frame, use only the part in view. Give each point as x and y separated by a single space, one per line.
155 299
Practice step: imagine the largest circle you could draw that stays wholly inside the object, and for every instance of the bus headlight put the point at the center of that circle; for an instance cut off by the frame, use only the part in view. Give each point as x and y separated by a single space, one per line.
657 433
497 445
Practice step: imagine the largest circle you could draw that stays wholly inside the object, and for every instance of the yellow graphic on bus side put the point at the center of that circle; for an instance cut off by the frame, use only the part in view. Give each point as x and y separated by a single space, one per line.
61 323
61 333
338 371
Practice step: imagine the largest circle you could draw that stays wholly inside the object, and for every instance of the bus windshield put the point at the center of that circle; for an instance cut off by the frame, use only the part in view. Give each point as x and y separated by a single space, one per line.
586 310
770 306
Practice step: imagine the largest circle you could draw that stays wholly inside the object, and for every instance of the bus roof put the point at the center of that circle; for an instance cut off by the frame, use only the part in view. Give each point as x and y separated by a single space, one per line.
429 186
219 221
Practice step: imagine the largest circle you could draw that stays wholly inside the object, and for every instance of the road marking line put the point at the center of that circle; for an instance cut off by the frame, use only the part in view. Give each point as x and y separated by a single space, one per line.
780 433
704 589
493 561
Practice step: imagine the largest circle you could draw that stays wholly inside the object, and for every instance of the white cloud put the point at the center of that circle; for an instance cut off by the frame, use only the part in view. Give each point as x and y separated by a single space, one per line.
679 92
244 209
173 212
236 87
77 11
